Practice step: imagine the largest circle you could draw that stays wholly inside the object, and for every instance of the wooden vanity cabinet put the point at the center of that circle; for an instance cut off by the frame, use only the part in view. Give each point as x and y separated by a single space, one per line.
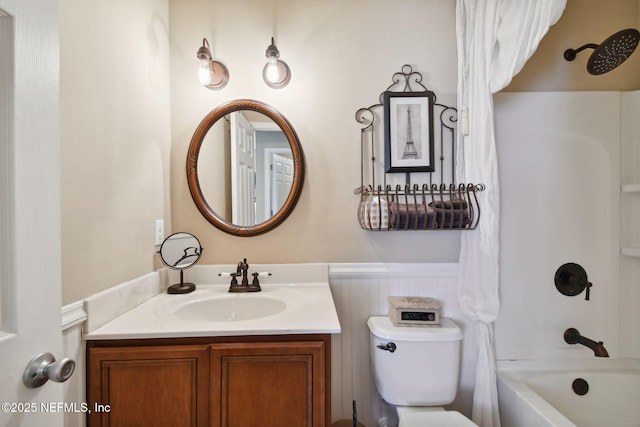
266 381
148 386
268 384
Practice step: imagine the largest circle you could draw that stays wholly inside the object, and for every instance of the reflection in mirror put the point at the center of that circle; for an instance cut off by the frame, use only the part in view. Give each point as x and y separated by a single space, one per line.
178 252
245 168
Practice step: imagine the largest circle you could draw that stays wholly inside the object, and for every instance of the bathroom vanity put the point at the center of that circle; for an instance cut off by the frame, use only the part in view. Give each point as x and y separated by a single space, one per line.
214 358
272 380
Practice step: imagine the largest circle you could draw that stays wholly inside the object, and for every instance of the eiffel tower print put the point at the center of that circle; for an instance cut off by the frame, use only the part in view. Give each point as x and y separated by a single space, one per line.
410 151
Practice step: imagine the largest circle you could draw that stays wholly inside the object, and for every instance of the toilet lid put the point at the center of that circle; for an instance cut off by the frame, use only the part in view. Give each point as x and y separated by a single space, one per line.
436 419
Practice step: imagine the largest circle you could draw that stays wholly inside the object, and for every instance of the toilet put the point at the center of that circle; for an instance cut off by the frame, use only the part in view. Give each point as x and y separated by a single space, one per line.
416 369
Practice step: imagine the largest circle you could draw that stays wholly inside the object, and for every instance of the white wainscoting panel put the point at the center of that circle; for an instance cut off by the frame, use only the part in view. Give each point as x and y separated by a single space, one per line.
73 318
360 291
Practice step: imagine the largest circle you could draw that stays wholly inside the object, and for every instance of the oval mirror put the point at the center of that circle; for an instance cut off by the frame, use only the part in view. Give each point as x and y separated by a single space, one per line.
178 252
245 168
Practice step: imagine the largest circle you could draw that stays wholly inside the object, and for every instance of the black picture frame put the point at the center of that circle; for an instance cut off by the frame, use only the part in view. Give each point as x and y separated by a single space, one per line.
408 124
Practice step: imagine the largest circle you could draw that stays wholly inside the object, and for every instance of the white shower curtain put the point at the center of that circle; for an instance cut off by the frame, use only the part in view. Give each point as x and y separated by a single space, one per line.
495 39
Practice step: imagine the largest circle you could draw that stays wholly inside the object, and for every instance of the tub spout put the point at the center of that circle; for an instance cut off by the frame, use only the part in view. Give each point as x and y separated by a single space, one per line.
572 336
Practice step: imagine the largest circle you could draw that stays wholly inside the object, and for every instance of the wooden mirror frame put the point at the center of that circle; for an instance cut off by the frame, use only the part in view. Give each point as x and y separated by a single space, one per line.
192 168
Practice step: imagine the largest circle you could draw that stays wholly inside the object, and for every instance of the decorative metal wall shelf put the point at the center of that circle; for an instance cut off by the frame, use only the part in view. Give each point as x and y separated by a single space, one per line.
413 186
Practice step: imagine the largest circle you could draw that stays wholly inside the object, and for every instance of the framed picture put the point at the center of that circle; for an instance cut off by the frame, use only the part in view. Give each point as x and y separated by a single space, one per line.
408 122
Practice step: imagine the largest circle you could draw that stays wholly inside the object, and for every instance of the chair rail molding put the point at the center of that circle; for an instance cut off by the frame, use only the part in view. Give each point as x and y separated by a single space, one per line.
389 270
73 314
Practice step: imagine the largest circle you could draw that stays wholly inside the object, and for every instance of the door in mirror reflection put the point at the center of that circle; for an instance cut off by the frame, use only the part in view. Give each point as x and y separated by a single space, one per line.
243 211
246 168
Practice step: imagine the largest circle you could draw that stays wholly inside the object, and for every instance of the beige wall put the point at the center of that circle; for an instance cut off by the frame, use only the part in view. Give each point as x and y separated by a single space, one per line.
342 56
124 136
114 132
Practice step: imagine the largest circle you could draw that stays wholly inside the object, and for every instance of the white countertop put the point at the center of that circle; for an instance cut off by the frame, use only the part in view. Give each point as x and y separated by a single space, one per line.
309 310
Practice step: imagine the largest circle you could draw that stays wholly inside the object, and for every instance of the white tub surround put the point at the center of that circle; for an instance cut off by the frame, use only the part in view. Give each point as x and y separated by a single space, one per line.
295 299
538 393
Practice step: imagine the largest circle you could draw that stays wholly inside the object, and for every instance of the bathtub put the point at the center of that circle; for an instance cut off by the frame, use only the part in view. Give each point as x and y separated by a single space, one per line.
540 393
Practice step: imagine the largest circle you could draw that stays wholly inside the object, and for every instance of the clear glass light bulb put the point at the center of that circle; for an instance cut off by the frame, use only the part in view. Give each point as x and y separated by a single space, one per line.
272 73
204 73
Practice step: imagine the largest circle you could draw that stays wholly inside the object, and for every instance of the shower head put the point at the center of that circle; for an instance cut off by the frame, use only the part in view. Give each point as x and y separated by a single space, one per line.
610 53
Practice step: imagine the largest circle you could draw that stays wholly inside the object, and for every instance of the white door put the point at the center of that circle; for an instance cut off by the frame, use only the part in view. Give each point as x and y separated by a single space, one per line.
281 181
30 283
242 171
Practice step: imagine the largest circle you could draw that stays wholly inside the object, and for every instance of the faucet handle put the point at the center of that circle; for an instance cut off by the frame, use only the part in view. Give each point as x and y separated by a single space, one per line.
255 275
234 281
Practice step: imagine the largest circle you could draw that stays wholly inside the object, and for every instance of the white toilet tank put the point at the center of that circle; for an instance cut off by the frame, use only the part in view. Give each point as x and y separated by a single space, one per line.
424 367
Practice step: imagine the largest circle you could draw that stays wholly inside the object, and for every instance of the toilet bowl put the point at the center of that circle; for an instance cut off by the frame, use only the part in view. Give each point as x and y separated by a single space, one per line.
416 369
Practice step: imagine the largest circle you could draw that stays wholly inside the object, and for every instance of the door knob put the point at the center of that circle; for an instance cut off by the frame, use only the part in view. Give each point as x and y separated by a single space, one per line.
44 367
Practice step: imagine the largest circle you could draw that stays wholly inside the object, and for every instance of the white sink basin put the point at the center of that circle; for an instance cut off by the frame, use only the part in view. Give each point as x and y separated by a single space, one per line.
295 299
229 309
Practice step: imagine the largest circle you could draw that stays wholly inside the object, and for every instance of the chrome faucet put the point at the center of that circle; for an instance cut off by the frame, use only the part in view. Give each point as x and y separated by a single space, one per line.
572 336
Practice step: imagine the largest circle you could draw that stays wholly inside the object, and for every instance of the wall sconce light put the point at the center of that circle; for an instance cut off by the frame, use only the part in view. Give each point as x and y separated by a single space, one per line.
213 74
276 73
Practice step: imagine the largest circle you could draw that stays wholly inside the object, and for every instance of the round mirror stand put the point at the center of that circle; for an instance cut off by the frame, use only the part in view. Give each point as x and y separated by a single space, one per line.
180 251
182 287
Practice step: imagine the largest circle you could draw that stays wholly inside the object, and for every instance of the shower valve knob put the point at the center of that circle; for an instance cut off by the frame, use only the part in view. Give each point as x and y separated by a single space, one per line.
571 279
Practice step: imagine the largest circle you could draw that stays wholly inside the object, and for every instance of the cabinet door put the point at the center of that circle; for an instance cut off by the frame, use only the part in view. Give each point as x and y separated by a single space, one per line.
268 384
149 386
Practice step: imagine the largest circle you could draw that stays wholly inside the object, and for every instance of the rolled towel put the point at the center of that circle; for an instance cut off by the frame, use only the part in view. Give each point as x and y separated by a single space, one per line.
379 213
451 213
363 213
411 216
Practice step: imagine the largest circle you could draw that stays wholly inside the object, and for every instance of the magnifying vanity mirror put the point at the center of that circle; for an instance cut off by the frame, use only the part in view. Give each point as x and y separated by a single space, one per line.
180 251
245 168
